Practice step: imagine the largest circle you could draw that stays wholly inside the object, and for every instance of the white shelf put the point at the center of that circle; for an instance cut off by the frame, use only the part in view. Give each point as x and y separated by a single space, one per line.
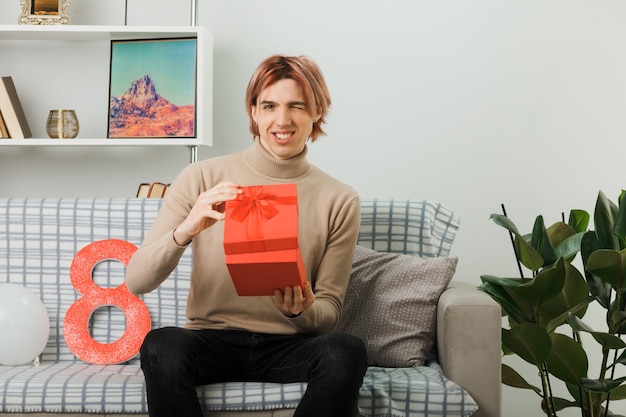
99 142
92 33
86 50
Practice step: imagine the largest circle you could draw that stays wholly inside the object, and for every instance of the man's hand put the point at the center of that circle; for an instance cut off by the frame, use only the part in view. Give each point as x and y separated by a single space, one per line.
208 209
294 300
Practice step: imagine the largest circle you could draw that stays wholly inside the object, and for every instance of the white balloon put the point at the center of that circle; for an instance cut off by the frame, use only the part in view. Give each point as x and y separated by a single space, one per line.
24 325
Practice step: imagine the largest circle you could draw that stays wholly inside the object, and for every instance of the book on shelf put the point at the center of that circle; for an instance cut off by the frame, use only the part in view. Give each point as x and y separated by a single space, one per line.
4 132
151 190
157 190
142 191
12 111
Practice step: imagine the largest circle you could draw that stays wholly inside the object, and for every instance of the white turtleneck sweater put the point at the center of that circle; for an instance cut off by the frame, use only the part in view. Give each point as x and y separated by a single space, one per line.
329 219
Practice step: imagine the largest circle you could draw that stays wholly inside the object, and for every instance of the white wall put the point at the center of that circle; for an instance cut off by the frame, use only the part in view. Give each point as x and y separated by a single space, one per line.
472 103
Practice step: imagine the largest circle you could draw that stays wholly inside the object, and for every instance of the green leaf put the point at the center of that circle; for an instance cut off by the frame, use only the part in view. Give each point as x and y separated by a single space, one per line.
604 220
501 282
609 266
507 303
618 393
503 221
562 318
527 255
588 245
573 297
562 403
578 325
541 242
524 252
558 232
606 386
619 228
569 247
578 220
597 287
511 378
607 340
547 284
567 360
619 318
529 341
621 359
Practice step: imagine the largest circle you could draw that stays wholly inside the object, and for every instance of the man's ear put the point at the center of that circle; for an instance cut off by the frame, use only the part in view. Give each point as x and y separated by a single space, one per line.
253 112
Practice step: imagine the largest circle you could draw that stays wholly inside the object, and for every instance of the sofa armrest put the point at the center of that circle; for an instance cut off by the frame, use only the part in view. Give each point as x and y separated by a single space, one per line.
469 324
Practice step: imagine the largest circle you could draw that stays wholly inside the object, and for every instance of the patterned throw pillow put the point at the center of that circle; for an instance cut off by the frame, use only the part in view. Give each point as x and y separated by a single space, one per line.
391 304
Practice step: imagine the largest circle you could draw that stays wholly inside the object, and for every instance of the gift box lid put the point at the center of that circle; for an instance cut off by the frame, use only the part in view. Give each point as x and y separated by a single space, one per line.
262 218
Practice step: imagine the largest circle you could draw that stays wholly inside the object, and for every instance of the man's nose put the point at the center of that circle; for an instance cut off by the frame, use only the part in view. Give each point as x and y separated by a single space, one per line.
283 118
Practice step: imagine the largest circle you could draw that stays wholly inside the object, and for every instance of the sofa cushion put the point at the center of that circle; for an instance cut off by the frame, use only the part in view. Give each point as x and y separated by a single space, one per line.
391 304
412 392
422 228
81 388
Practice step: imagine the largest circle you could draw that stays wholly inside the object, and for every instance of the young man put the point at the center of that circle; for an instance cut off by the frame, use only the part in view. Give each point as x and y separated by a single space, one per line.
284 338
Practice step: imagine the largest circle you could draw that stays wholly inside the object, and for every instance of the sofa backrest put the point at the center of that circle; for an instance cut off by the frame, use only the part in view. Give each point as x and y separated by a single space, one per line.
39 238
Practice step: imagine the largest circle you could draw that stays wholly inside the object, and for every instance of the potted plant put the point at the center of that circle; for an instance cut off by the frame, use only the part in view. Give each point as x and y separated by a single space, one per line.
545 307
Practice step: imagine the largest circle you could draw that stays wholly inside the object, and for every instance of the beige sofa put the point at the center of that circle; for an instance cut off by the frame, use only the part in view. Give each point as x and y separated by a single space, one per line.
40 237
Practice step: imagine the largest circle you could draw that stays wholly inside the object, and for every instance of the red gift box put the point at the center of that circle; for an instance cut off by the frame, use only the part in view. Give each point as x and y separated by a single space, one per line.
261 273
262 218
261 240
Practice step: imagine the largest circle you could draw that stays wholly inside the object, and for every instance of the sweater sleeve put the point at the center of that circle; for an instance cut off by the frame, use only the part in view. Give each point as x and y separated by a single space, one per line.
159 253
331 277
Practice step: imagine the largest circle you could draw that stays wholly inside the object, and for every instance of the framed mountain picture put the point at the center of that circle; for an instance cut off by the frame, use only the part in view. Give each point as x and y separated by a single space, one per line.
152 88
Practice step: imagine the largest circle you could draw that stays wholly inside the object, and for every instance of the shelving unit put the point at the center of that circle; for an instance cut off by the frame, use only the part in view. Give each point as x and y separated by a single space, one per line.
57 62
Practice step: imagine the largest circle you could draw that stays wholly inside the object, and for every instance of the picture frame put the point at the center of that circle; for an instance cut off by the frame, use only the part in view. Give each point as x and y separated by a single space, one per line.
152 88
44 12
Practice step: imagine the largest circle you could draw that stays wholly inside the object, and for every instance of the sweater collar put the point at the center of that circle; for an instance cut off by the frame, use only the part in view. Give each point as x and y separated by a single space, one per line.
261 161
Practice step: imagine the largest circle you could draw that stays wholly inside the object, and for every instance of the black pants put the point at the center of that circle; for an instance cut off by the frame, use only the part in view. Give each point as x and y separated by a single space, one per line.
175 360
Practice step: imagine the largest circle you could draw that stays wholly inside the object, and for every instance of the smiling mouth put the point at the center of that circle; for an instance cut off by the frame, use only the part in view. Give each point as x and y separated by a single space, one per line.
282 136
